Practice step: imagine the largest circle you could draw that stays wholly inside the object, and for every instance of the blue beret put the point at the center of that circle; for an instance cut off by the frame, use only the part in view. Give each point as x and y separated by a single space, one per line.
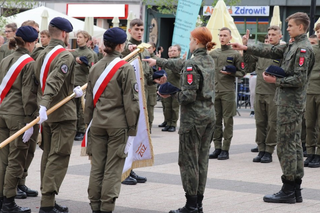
27 33
230 68
62 24
276 71
158 74
115 35
168 89
84 60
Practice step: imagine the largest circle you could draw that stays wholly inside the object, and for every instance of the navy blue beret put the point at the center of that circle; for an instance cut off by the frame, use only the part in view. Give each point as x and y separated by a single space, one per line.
115 35
168 89
62 24
27 33
230 68
158 74
276 71
84 60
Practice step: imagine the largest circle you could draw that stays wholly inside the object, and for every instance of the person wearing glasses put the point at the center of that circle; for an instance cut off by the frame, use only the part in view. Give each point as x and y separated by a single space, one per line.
10 31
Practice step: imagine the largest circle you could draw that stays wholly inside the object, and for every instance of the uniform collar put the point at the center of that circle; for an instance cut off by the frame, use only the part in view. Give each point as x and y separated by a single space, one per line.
133 41
83 47
23 50
54 42
300 37
200 51
225 47
115 54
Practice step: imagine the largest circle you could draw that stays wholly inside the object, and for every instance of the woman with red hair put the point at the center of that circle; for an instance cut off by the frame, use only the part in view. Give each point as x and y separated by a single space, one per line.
197 116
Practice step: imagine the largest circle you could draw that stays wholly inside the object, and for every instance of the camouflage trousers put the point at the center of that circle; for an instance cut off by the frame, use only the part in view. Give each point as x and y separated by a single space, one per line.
289 147
194 146
312 116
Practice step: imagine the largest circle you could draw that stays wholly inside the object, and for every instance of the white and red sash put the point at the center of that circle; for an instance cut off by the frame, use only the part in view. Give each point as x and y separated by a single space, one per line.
46 64
12 75
101 85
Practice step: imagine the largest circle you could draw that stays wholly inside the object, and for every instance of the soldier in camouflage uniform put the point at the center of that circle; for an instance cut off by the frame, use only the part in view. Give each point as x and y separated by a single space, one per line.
265 107
225 100
312 113
197 116
298 60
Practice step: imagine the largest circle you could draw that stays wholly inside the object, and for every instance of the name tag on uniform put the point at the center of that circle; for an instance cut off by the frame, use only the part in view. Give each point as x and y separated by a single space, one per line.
230 59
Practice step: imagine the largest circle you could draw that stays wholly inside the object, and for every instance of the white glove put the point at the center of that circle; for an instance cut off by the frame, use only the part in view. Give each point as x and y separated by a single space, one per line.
42 114
27 135
78 91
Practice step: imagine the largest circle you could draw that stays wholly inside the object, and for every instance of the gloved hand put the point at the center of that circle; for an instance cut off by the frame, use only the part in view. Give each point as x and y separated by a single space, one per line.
78 91
42 114
27 135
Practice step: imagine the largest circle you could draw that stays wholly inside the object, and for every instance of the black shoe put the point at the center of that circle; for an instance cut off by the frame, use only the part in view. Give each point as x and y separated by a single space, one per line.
1 200
163 124
199 202
215 154
79 136
190 207
28 191
267 158
10 206
166 129
258 157
96 211
255 149
20 194
305 154
61 208
172 129
49 210
104 212
129 181
137 177
298 195
224 155
285 195
308 160
315 163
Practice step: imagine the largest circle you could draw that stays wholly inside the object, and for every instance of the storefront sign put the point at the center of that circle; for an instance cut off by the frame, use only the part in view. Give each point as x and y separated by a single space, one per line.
241 10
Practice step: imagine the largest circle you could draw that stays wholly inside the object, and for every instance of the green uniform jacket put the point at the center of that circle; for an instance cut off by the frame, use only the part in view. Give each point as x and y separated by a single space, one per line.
147 70
173 76
298 60
197 89
21 98
258 64
314 79
222 57
59 84
5 51
118 105
36 52
81 71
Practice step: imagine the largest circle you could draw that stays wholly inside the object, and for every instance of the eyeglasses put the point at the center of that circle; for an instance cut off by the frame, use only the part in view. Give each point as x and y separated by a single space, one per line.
8 31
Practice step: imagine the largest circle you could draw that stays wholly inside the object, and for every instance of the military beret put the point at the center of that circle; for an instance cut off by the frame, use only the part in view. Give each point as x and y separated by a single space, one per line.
115 35
168 89
276 71
230 68
27 33
158 74
84 60
62 24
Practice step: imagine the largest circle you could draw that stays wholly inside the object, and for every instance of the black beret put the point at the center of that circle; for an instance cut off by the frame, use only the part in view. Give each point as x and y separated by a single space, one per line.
27 33
230 68
158 74
276 71
115 35
168 89
84 60
62 24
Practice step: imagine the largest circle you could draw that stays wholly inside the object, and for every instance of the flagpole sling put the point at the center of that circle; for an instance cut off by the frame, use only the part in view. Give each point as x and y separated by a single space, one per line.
140 48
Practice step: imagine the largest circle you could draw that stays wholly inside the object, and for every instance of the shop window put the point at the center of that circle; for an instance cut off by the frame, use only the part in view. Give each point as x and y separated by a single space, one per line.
258 27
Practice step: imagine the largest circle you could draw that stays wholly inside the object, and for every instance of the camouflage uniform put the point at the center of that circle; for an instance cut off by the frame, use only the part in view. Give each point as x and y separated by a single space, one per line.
265 110
225 100
197 118
312 113
5 51
298 60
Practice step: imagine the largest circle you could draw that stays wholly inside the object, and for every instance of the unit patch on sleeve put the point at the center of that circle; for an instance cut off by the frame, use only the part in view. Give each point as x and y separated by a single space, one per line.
242 65
189 69
64 68
301 61
189 78
303 50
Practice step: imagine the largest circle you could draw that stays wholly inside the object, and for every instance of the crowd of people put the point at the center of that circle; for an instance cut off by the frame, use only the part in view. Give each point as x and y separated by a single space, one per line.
34 77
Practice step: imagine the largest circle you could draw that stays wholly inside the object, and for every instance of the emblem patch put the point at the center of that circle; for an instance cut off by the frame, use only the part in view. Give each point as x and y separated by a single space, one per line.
189 69
303 50
64 68
301 61
242 65
136 87
277 61
189 78
230 59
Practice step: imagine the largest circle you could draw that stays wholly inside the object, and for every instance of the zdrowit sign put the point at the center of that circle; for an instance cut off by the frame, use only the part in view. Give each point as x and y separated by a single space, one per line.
241 10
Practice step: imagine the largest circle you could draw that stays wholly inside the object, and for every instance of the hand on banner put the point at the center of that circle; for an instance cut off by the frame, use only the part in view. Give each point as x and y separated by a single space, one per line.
151 61
269 78
161 80
42 114
78 91
132 47
237 46
27 135
245 38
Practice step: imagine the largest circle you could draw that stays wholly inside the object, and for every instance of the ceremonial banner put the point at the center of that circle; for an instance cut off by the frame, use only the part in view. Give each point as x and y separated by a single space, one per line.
139 147
186 18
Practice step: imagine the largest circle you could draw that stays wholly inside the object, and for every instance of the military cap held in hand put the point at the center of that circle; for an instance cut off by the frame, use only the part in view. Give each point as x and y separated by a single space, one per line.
158 74
84 60
230 68
276 71
168 89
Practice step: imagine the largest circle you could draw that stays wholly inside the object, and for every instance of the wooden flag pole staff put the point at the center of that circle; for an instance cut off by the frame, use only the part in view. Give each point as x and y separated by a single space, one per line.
140 48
